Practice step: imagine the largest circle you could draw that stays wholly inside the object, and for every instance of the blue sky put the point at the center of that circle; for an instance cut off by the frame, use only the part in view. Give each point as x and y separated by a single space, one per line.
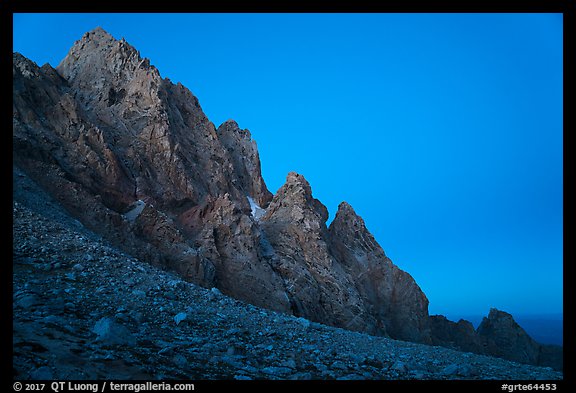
443 131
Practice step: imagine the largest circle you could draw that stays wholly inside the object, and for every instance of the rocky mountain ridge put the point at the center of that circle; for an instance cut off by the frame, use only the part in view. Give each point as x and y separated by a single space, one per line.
133 157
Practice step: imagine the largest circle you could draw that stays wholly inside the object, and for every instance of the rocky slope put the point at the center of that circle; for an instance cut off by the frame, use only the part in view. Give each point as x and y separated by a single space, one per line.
133 158
85 310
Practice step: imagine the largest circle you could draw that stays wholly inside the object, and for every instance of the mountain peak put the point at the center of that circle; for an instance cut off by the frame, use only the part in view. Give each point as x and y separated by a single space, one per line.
231 127
296 178
298 185
98 35
18 57
104 72
508 339
344 208
297 193
245 160
231 123
98 55
497 314
26 66
344 205
346 217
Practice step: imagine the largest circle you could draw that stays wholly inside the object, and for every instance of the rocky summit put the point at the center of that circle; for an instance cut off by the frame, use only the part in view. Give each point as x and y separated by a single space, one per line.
147 242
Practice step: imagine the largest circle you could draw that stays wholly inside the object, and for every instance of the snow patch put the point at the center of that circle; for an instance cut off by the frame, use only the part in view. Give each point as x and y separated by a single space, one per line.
257 211
135 212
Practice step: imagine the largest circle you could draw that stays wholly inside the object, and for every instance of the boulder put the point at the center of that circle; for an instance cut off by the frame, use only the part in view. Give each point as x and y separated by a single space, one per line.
111 333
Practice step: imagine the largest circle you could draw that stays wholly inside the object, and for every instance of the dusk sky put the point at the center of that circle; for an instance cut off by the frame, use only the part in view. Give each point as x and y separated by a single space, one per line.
443 131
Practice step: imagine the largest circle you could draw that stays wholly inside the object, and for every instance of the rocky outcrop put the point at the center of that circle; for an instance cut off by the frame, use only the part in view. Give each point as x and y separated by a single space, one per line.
226 234
340 275
245 160
145 118
393 297
497 335
316 283
504 338
459 335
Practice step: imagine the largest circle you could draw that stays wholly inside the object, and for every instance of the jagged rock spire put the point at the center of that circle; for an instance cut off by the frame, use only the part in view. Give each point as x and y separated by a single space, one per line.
245 160
395 298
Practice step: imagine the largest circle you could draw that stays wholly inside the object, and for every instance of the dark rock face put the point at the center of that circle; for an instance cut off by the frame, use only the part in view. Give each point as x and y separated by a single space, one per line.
551 356
133 157
459 335
504 338
498 335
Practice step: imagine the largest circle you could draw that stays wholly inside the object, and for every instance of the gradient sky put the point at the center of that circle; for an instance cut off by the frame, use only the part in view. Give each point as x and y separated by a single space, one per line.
443 131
